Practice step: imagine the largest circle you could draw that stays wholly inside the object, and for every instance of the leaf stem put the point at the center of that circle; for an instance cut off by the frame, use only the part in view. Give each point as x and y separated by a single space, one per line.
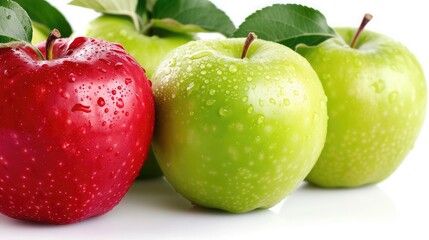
37 51
249 40
54 35
366 18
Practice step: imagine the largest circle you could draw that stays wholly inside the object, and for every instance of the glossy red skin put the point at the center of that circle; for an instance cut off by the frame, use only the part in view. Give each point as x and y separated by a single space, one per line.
64 154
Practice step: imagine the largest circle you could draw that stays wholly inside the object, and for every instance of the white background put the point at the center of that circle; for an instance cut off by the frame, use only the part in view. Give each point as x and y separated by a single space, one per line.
396 208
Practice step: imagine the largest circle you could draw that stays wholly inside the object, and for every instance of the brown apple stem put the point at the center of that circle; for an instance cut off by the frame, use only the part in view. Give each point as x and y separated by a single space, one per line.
250 38
54 35
366 18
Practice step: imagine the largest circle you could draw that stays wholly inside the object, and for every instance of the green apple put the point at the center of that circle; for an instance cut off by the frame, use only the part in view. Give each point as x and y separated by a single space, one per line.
236 133
376 105
147 50
38 33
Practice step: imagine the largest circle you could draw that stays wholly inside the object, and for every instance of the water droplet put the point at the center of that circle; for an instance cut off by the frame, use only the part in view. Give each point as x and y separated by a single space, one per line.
118 65
268 77
65 145
65 95
112 175
224 112
286 102
261 119
81 108
101 102
11 72
72 78
188 68
272 101
103 123
250 109
167 71
219 72
203 72
393 96
249 79
315 117
212 92
106 110
261 102
128 81
109 149
200 54
295 92
120 103
210 102
245 99
101 69
114 92
378 86
326 76
232 68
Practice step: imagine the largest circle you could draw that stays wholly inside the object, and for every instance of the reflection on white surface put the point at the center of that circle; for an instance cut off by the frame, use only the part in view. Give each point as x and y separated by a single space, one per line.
152 209
310 205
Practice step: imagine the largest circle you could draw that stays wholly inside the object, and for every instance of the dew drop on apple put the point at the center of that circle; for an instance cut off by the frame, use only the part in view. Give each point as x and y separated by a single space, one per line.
81 108
200 54
210 102
212 92
72 78
120 103
232 68
224 112
219 72
272 101
261 119
250 109
393 96
11 72
102 70
128 81
101 102
286 102
118 65
203 72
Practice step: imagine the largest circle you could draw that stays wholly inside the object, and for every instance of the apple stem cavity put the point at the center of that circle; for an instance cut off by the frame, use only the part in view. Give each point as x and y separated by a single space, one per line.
54 35
249 40
366 18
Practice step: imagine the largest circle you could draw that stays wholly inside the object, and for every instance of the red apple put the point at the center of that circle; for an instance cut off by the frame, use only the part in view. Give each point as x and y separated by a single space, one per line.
74 129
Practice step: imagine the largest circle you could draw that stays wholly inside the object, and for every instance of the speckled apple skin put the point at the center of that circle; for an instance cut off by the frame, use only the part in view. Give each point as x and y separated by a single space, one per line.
237 134
376 106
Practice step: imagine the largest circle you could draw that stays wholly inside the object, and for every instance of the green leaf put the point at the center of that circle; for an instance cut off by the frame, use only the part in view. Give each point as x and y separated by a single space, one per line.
15 24
200 13
115 7
141 7
288 24
175 26
46 17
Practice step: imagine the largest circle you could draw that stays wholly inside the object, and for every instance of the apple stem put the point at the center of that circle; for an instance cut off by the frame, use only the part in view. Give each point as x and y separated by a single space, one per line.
366 18
250 38
54 35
